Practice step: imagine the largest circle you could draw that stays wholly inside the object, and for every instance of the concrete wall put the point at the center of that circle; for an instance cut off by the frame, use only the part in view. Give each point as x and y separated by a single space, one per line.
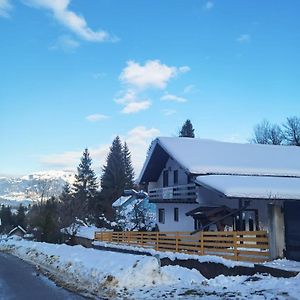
276 230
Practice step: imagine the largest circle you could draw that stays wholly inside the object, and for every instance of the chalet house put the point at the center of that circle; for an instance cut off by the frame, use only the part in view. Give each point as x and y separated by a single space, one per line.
129 198
128 206
17 231
200 184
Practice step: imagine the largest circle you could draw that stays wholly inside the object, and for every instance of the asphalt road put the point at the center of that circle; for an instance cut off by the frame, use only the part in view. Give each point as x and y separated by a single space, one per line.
20 281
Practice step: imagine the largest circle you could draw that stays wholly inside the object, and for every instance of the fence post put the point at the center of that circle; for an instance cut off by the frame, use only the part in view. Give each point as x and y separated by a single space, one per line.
235 245
157 241
129 237
142 238
176 241
202 242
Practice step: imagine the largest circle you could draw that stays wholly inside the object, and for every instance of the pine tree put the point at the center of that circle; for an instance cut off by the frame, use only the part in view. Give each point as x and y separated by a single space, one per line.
187 130
20 217
113 177
85 186
129 172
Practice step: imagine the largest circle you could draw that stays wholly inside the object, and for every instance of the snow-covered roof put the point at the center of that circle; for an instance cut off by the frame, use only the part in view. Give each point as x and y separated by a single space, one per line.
16 228
253 187
204 157
121 201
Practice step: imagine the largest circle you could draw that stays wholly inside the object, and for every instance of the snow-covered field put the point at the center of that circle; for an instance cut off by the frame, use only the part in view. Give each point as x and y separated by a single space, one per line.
125 276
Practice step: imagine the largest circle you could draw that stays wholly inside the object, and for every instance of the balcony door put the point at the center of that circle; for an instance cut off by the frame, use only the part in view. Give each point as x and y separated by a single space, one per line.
165 178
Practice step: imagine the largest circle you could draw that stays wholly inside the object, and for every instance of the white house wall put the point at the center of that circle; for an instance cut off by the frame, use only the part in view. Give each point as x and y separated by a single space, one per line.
171 166
184 223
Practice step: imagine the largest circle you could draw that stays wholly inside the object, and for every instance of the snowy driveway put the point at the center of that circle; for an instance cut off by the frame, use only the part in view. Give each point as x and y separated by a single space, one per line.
19 280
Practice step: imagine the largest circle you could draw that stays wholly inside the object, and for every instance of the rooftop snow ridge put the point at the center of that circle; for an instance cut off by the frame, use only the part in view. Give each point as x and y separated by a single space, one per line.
204 157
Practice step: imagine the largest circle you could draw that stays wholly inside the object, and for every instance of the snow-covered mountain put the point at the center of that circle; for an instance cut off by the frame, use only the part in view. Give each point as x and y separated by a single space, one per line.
30 188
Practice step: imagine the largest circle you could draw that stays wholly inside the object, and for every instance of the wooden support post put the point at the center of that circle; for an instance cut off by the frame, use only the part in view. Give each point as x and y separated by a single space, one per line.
235 245
157 241
202 243
129 237
176 241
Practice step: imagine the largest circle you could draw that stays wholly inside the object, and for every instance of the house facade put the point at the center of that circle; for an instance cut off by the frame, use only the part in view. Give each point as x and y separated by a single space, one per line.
209 185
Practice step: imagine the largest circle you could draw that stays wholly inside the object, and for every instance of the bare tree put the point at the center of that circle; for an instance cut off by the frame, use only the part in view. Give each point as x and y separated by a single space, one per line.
276 135
292 131
267 133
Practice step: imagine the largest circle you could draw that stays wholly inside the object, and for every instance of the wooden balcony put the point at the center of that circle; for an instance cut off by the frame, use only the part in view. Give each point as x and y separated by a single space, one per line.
174 194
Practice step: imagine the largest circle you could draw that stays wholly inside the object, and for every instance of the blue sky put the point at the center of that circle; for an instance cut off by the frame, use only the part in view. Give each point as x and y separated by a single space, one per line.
76 73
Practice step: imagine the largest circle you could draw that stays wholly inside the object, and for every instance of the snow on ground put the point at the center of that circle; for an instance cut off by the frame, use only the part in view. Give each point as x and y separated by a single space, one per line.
84 231
102 273
126 276
284 264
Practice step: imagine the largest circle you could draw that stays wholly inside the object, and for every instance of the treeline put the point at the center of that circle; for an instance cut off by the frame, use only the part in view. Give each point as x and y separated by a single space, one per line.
87 201
287 133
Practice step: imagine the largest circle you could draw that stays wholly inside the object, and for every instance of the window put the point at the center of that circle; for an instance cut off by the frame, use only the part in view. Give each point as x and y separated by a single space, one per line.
176 214
175 177
189 179
161 215
249 221
165 178
197 224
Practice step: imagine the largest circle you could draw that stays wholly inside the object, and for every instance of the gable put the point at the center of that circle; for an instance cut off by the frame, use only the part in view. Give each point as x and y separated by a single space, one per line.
155 162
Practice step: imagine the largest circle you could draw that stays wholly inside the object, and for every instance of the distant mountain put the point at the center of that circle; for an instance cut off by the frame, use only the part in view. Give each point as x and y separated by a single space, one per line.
30 188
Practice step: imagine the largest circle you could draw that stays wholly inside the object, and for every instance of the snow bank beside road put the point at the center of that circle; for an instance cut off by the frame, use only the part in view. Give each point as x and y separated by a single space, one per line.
101 273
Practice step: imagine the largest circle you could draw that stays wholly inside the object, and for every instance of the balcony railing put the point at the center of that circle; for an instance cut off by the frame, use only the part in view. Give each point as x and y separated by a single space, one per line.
179 193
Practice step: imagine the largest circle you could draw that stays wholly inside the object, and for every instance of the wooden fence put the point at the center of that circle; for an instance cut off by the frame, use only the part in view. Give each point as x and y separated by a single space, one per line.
249 246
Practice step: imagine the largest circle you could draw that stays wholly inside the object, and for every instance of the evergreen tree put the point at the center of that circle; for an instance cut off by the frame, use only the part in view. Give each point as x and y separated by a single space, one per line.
85 186
20 217
113 177
6 216
129 172
187 130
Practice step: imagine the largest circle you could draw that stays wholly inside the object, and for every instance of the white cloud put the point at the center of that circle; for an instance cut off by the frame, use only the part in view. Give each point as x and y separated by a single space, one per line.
244 39
140 135
132 103
99 75
134 107
208 5
184 69
152 74
174 98
5 8
76 23
138 140
97 117
169 112
69 160
189 89
65 43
